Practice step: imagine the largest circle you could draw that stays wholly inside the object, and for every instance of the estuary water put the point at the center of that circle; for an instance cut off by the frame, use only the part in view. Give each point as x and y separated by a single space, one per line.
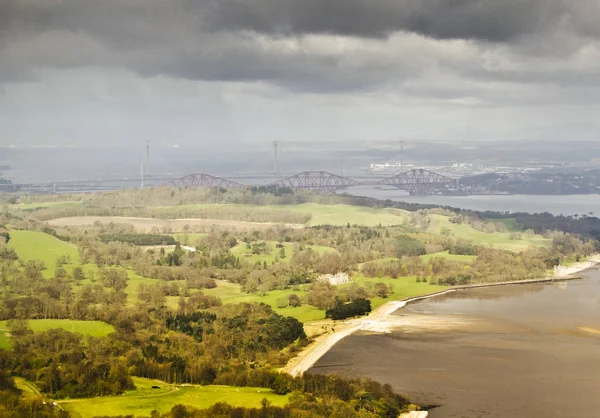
513 351
582 204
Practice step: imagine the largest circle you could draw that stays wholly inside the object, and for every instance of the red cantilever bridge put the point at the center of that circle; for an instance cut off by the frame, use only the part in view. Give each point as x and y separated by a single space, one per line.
416 181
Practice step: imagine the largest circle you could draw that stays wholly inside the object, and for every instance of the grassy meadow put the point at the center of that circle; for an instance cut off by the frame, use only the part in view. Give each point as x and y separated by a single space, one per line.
243 253
402 288
341 215
44 205
91 328
319 214
496 239
4 338
189 239
447 256
36 245
143 400
233 293
32 245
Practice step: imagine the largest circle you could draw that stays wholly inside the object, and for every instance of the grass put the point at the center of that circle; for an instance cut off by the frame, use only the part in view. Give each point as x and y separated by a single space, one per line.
4 339
497 239
233 293
133 283
91 328
403 287
28 388
188 238
44 205
33 245
345 214
323 214
510 223
143 400
446 255
243 253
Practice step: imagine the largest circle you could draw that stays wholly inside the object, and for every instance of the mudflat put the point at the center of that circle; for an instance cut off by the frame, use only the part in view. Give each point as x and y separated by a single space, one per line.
517 351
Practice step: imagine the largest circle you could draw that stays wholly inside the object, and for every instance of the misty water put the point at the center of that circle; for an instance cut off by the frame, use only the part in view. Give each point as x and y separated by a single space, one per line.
522 351
583 204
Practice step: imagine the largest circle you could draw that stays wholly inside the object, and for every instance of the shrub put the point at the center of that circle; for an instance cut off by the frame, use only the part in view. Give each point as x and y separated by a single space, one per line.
342 310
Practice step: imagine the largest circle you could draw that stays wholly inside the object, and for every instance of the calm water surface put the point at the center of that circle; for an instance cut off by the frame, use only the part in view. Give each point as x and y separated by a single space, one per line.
583 204
519 351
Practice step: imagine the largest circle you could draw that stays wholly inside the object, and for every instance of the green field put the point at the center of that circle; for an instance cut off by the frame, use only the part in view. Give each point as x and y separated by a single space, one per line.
4 339
143 400
320 214
511 223
133 283
188 238
32 245
233 293
496 239
403 287
92 328
27 387
345 214
447 256
44 205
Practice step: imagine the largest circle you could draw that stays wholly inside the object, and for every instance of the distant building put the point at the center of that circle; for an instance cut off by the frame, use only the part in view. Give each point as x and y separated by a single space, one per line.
335 279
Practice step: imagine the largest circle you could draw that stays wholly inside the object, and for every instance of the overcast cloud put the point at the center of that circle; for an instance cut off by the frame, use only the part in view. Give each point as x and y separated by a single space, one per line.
199 71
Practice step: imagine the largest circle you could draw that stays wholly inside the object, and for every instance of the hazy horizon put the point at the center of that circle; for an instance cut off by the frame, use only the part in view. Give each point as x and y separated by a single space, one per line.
217 74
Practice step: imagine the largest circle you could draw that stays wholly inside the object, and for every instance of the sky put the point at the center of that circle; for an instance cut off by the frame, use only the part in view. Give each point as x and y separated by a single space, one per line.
213 73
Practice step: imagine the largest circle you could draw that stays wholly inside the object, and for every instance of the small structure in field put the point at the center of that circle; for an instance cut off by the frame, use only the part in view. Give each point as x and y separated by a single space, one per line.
335 279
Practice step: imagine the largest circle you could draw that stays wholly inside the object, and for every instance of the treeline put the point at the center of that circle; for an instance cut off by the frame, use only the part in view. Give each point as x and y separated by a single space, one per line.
24 295
200 348
226 213
131 200
313 396
183 348
139 239
310 396
201 270
62 365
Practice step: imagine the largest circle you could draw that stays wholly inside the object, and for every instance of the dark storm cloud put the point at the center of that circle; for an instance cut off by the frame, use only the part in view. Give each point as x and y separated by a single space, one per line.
138 20
237 40
488 20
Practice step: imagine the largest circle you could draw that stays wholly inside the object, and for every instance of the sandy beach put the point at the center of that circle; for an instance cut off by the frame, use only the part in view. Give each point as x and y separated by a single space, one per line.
379 320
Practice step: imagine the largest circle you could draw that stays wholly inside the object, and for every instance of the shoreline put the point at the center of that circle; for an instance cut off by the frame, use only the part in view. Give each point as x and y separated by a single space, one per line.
308 357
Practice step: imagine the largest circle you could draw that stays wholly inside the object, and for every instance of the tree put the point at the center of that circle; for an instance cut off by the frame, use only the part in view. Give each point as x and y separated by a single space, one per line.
7 253
382 290
409 246
321 295
347 310
282 383
294 300
78 273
